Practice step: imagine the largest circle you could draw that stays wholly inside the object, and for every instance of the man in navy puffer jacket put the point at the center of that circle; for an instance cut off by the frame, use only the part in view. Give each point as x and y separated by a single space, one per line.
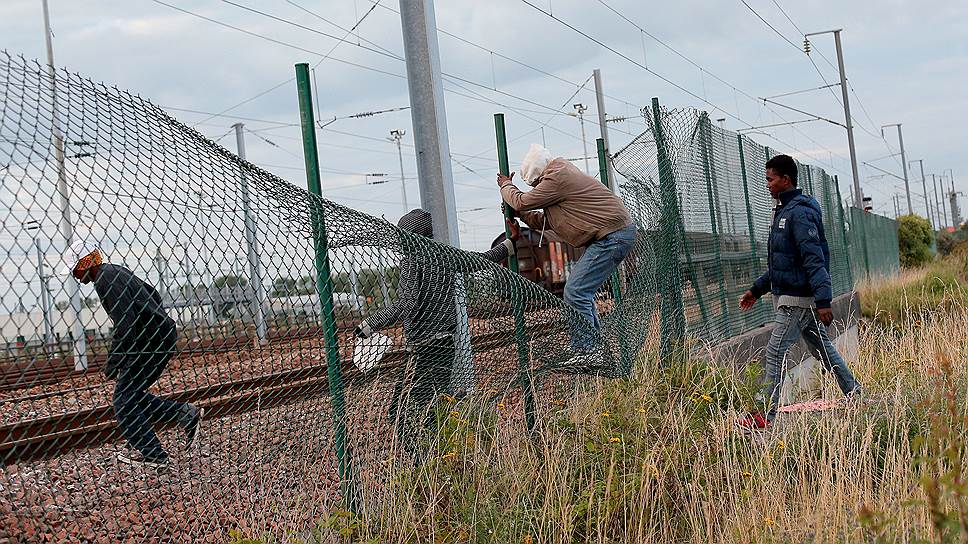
799 278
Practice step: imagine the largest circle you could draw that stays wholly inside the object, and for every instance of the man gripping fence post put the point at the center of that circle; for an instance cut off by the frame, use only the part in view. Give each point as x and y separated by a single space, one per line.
798 275
584 213
142 343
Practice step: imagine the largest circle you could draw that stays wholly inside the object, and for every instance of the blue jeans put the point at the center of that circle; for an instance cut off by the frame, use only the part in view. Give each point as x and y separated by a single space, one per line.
790 323
600 259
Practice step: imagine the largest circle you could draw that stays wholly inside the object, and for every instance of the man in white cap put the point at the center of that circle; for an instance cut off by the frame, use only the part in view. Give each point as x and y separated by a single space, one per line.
584 213
142 343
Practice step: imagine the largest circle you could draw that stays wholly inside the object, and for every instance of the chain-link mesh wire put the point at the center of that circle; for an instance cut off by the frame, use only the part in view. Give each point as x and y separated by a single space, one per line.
725 214
873 241
230 290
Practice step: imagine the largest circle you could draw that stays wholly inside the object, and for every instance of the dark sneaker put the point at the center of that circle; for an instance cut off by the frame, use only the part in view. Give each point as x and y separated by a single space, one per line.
753 423
137 458
192 423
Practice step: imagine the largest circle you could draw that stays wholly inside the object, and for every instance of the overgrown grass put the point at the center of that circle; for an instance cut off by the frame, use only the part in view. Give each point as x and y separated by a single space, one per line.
893 301
656 459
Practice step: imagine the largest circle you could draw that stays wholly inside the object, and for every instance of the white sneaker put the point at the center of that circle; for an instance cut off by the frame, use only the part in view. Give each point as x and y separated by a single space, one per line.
137 458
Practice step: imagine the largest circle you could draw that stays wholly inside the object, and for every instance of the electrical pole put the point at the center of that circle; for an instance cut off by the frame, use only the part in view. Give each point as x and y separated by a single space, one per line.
429 118
256 291
907 187
953 196
939 205
67 224
924 187
45 306
600 98
396 135
858 194
581 109
944 203
897 211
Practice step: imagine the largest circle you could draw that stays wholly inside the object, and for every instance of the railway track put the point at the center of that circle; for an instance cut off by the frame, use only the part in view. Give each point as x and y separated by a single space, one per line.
34 370
51 436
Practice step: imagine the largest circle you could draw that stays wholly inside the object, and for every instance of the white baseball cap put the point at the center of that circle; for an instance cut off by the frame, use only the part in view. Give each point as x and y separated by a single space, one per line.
78 250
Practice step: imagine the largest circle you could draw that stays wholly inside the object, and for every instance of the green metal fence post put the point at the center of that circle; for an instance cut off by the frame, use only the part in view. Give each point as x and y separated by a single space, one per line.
705 147
603 175
324 286
625 358
843 232
524 370
673 316
754 258
692 269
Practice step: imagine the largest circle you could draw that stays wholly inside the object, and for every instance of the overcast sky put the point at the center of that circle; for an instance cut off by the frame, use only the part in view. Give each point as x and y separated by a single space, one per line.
907 62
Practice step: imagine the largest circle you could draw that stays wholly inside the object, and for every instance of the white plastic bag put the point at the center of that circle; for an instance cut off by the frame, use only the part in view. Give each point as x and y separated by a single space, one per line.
534 163
369 351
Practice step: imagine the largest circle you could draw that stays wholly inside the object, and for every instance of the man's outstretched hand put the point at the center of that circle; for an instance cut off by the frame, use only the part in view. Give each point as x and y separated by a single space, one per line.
514 229
826 316
503 180
747 300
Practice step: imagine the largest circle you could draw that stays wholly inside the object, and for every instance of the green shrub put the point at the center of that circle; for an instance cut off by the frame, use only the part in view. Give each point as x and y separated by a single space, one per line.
914 238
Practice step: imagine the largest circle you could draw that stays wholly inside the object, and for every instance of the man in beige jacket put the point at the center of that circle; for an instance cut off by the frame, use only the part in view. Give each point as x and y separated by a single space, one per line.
584 213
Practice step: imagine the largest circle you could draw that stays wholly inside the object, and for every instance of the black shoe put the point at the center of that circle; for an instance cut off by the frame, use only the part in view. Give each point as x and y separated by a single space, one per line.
192 423
137 458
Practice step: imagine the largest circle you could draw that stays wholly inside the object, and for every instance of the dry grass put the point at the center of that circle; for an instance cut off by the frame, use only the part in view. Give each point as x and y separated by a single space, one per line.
656 459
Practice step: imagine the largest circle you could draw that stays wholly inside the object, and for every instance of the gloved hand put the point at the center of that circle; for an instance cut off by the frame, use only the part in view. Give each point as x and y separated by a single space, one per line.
363 330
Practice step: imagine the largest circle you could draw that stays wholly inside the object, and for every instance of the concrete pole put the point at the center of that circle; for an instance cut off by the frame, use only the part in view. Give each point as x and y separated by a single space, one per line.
429 117
257 292
44 296
397 136
924 187
939 205
600 99
580 108
904 164
858 197
67 224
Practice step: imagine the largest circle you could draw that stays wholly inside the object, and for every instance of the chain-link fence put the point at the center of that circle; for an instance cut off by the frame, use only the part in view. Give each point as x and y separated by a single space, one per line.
220 287
723 213
873 244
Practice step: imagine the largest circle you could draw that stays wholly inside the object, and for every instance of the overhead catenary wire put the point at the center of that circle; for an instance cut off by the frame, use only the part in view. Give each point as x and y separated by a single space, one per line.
689 92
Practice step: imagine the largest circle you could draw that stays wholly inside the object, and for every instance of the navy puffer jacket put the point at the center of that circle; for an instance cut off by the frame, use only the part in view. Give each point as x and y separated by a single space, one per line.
799 259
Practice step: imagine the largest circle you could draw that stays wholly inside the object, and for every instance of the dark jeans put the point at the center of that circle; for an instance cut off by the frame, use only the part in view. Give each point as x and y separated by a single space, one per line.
411 411
135 408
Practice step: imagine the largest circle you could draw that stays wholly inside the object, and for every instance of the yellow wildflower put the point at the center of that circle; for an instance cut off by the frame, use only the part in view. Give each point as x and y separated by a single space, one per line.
500 406
449 398
706 398
781 445
615 440
605 413
769 522
449 455
454 414
747 474
641 410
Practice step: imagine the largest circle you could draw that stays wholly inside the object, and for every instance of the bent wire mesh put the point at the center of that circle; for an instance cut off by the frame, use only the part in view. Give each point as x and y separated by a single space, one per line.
229 290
